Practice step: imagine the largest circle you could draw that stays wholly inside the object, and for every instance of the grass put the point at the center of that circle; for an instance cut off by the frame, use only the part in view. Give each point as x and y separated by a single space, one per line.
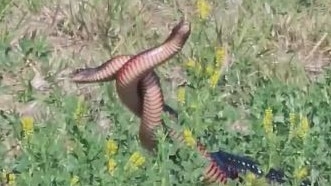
273 56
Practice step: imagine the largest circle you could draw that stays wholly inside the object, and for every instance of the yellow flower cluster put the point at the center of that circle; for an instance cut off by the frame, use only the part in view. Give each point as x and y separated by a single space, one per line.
212 71
27 123
209 70
214 78
220 55
74 180
203 8
300 129
80 111
111 166
10 178
188 138
181 95
268 122
192 64
215 71
111 149
252 180
135 161
300 173
303 129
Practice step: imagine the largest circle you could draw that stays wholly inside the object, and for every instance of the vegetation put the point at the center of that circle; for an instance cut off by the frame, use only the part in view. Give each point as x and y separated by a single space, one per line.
256 82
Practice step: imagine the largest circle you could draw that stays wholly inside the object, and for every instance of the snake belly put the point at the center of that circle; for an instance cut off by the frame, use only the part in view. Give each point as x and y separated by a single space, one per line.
129 76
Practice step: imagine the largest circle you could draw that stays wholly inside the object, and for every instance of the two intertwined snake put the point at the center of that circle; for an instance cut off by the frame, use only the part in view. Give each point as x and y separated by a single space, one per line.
139 89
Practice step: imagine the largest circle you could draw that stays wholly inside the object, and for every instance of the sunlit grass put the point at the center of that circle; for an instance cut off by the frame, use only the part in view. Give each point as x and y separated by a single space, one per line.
246 63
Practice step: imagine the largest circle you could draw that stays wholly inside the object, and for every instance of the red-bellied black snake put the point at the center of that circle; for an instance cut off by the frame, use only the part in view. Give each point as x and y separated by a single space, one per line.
139 89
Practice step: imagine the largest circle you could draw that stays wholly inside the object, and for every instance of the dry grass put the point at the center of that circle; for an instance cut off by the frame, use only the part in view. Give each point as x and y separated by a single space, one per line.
271 39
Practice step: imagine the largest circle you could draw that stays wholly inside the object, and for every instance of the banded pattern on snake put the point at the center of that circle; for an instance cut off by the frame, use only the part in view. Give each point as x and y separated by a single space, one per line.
139 89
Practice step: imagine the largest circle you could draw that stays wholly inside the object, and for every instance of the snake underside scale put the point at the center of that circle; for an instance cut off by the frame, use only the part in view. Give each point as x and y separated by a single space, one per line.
139 89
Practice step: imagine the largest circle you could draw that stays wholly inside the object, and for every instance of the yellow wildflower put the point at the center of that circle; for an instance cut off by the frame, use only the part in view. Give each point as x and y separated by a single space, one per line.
135 161
252 180
203 8
111 148
181 94
191 64
80 111
27 126
188 138
214 78
300 173
220 54
267 122
303 128
74 180
214 71
10 179
209 70
111 166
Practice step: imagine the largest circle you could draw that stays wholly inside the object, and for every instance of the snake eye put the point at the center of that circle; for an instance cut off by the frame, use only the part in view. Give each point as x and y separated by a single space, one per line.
76 71
83 72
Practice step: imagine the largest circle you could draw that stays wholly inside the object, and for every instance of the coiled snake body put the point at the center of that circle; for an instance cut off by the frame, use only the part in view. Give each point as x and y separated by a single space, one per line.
139 89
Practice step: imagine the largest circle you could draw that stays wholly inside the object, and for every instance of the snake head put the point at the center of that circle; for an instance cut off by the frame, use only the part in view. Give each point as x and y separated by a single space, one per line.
181 31
276 175
82 74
